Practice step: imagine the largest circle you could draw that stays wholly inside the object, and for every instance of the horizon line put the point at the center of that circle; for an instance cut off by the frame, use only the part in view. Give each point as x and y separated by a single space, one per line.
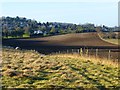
38 21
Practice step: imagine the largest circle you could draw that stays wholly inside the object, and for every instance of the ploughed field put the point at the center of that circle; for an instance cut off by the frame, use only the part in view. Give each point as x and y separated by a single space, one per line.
78 39
62 43
29 69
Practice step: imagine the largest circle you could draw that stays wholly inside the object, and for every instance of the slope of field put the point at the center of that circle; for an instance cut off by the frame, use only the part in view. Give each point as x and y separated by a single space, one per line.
114 41
29 69
77 39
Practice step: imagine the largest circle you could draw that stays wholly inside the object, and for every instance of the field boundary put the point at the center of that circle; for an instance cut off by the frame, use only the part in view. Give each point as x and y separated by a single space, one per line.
96 53
106 40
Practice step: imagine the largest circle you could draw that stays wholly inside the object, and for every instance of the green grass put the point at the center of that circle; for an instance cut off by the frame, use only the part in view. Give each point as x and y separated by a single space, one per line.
24 36
114 41
29 69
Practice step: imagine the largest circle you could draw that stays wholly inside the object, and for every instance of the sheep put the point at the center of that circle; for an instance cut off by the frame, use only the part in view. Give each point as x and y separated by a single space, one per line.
17 48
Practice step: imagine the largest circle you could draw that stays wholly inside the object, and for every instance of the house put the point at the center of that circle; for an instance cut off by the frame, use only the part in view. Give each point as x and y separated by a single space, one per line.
37 33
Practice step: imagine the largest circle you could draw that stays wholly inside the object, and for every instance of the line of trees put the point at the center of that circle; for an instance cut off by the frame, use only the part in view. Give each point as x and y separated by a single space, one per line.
20 26
18 32
108 35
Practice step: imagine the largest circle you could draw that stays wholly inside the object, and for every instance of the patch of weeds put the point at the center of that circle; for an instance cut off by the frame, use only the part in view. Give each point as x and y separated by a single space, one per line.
27 86
55 67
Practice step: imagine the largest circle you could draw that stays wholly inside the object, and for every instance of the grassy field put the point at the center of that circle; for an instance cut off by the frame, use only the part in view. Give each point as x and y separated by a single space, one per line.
114 41
10 37
29 69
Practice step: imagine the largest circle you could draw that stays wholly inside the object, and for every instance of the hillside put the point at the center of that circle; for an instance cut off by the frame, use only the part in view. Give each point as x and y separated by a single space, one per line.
76 39
15 27
29 69
113 41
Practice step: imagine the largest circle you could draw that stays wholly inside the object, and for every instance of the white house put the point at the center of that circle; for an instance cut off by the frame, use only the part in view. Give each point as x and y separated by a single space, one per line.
38 32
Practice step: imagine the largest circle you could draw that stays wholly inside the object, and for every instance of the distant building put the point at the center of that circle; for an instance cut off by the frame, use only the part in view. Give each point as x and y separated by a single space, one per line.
37 33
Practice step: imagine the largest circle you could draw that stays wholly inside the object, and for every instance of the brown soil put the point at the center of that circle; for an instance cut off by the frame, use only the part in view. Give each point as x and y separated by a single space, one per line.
60 42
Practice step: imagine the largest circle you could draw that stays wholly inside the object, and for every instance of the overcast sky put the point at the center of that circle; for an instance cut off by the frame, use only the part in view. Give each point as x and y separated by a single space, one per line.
98 13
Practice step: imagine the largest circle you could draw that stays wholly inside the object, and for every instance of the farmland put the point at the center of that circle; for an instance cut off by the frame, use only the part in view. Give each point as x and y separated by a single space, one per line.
30 69
38 63
76 39
62 43
114 41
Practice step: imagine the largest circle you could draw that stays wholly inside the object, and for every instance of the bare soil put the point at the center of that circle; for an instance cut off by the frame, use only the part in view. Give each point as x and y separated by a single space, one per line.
61 43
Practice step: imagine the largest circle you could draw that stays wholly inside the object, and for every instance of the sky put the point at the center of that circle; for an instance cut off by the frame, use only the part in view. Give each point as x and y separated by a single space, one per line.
119 14
98 13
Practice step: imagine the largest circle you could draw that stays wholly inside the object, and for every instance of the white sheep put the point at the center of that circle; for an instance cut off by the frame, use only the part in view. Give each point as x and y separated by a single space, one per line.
17 48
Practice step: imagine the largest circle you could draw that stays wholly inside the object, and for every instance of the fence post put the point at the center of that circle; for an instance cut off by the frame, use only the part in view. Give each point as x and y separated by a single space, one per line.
78 51
67 51
72 51
109 55
96 53
81 51
87 53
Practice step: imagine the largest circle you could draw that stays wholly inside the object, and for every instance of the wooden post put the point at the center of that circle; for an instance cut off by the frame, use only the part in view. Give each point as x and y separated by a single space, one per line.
87 52
78 51
72 51
109 55
96 53
81 52
67 51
